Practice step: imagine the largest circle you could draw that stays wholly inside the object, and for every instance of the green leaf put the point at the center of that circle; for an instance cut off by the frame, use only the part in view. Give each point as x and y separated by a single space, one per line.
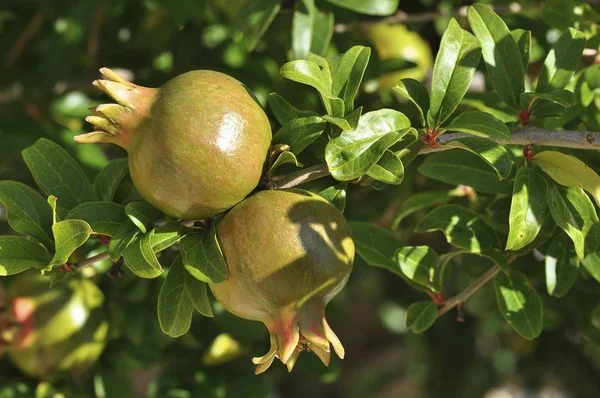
125 235
415 92
460 167
501 54
142 214
563 97
389 169
528 208
420 201
283 110
492 153
202 256
376 246
421 315
420 265
165 236
300 132
18 254
27 211
104 217
348 74
574 212
592 265
561 62
253 20
523 40
68 236
347 123
58 213
140 258
569 171
462 227
109 178
354 153
453 70
175 307
285 157
562 266
562 14
368 7
198 295
311 30
546 109
519 303
480 124
336 195
57 173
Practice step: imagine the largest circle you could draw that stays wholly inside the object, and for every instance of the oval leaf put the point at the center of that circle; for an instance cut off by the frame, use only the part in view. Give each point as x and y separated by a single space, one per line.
480 124
142 214
420 265
68 236
421 315
562 266
198 294
141 259
104 217
18 254
175 308
492 153
202 256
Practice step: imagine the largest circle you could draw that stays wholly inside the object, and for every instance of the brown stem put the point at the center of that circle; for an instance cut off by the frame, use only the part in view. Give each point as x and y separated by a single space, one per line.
34 25
92 260
93 38
524 136
402 17
469 291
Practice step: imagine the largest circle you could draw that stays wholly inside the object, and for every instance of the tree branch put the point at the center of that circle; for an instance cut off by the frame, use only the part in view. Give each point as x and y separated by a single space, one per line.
31 29
402 17
524 136
89 261
469 291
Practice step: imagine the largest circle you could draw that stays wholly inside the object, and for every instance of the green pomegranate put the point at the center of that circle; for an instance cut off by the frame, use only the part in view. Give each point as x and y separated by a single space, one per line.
289 252
47 330
196 145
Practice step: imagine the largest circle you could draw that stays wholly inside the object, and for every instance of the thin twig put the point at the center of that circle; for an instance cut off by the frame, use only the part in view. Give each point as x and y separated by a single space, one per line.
523 136
469 291
94 38
34 25
92 260
402 17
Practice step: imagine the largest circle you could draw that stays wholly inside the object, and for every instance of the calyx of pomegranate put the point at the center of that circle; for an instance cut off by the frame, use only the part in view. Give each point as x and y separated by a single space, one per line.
289 252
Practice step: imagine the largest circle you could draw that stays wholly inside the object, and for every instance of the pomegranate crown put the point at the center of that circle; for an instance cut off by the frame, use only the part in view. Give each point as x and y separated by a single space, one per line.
115 123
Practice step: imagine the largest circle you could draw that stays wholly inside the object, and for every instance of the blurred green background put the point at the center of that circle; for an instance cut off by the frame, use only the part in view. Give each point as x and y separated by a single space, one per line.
50 52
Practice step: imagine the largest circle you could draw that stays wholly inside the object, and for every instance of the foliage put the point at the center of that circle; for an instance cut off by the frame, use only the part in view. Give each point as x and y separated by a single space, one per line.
488 208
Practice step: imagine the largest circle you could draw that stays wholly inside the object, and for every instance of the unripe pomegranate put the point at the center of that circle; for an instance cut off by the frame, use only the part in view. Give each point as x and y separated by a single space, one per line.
196 145
289 252
47 330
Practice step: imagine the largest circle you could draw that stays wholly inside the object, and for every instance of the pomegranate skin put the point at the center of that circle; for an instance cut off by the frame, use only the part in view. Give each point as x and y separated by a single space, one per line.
196 145
289 252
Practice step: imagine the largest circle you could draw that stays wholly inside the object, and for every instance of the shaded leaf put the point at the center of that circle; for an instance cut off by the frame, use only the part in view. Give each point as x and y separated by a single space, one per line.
165 236
254 18
420 265
141 259
421 315
562 266
592 265
175 307
198 294
285 157
523 40
18 254
122 238
142 214
562 61
300 132
104 217
336 195
109 178
202 256
311 30
348 74
369 7
420 201
492 153
68 236
563 98
415 92
389 169
480 124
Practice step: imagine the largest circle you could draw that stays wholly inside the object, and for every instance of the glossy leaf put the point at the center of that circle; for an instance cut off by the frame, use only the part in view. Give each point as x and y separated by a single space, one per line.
104 217
311 30
175 307
561 62
109 178
421 315
254 18
420 265
166 236
141 259
415 92
369 7
574 212
53 203
569 171
336 195
519 303
562 266
354 153
454 67
462 227
347 123
300 132
420 201
495 155
348 74
480 124
26 211
282 110
592 265
459 167
528 208
389 169
57 173
18 254
123 237
202 256
68 236
563 98
142 215
285 157
198 295
523 40
501 54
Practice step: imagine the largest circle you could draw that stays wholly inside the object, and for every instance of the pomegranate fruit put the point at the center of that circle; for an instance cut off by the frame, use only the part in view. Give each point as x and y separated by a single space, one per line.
52 329
289 252
196 145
